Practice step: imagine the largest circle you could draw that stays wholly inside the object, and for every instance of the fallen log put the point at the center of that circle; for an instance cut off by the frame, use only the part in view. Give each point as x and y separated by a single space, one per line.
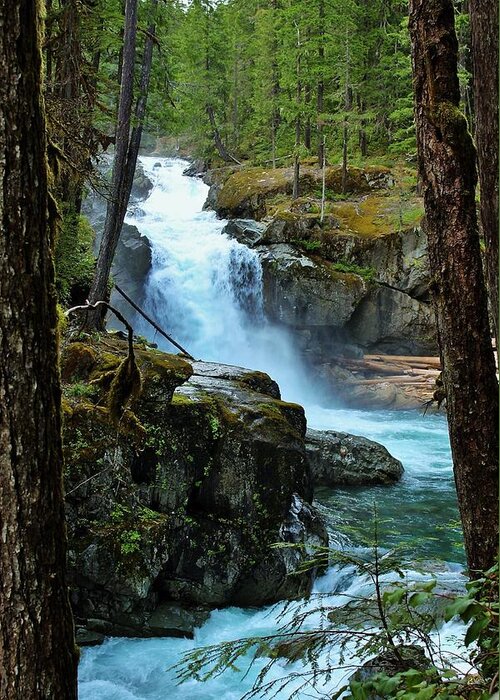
400 379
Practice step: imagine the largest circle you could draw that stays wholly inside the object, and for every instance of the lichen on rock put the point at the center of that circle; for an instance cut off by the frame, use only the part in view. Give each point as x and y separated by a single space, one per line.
181 500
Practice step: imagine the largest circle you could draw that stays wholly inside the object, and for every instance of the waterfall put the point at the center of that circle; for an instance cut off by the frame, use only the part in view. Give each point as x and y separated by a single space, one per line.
205 288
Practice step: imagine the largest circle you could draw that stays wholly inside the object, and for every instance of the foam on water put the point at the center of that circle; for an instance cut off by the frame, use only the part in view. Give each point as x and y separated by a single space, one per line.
205 289
133 669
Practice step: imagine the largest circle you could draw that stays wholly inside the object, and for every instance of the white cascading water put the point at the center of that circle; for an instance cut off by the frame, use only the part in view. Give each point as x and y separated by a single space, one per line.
205 290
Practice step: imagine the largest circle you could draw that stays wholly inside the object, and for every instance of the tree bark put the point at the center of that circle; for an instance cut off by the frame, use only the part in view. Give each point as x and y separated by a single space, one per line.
484 31
38 658
448 176
117 206
139 115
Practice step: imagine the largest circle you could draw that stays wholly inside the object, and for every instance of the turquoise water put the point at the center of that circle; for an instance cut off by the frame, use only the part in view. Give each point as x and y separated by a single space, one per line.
420 513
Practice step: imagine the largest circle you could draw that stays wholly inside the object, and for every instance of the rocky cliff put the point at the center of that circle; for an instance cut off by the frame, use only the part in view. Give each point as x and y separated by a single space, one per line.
354 281
180 502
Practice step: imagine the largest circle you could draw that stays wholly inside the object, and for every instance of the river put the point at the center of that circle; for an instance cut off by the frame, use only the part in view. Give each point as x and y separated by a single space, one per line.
205 289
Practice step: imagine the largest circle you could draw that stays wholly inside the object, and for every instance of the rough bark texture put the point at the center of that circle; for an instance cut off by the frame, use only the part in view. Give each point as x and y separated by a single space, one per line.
448 175
484 31
117 206
37 654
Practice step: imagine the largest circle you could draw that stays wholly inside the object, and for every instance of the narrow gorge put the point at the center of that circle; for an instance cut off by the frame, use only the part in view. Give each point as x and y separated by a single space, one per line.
217 465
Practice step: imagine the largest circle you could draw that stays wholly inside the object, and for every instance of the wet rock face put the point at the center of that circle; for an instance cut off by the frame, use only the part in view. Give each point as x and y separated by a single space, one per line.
132 261
399 259
391 322
131 265
330 310
182 501
340 459
302 292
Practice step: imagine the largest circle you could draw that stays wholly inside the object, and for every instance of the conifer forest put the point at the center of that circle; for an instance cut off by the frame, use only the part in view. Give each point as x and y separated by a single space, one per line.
248 349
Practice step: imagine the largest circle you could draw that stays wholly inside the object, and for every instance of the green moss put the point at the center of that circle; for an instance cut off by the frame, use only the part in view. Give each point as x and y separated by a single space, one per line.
308 246
181 400
77 361
79 389
125 387
74 258
270 410
250 182
367 273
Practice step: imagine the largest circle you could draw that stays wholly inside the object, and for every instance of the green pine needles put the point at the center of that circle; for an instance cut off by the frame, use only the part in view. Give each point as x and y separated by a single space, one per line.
382 639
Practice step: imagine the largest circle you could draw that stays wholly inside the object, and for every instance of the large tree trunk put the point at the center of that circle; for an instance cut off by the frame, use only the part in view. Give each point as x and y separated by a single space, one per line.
448 176
117 206
139 114
484 30
38 657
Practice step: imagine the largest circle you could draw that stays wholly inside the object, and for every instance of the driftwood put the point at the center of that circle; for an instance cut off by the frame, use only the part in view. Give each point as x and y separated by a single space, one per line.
396 379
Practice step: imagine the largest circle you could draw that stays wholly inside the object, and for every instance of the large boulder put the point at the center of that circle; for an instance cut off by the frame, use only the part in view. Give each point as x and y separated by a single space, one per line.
181 501
141 185
340 459
245 231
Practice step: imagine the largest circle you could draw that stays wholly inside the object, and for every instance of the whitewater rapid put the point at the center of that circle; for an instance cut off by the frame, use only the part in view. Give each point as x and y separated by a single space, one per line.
205 289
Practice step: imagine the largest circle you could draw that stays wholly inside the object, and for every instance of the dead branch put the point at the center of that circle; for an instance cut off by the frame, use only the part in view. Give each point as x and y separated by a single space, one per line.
153 323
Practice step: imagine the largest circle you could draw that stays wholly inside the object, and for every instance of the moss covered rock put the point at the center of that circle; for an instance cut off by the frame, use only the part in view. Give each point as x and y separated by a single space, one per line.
182 500
251 192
